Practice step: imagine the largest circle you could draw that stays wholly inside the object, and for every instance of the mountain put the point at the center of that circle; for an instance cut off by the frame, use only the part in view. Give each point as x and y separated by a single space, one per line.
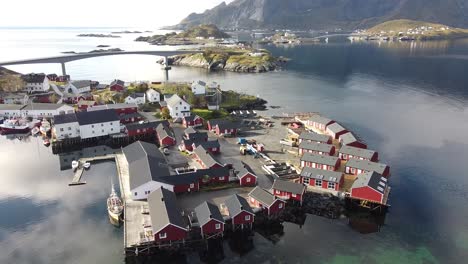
327 14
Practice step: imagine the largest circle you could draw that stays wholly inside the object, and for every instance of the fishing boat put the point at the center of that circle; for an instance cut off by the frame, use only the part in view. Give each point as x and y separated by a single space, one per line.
75 164
46 142
14 126
114 205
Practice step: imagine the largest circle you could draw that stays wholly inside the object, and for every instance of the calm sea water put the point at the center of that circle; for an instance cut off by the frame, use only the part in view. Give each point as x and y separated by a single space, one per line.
408 101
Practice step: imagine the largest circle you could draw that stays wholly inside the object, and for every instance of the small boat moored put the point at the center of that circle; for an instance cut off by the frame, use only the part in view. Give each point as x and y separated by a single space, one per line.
46 142
35 131
75 164
86 165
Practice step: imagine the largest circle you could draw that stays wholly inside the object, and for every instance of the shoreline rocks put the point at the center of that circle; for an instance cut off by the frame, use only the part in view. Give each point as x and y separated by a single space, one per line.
227 63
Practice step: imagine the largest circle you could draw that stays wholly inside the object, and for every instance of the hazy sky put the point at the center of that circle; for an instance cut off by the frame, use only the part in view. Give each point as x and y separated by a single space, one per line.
119 13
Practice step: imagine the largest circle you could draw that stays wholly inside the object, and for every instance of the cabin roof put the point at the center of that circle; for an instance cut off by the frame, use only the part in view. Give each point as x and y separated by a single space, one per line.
321 159
371 179
359 152
326 175
314 136
64 119
288 186
336 128
263 196
320 119
145 163
366 165
236 204
207 211
316 146
96 117
205 156
163 209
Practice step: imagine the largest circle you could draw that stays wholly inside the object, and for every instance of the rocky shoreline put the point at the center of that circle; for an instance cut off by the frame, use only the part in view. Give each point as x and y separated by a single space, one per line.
226 63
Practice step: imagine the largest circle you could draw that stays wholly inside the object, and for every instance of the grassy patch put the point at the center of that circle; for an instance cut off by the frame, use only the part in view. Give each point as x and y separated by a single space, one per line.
207 114
233 99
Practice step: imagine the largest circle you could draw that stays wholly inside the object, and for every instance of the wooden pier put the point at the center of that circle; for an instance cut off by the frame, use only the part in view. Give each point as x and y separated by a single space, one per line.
80 170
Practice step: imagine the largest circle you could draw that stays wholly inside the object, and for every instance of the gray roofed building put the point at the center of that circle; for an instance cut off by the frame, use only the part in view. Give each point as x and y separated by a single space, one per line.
207 211
163 209
316 158
357 152
263 196
372 179
190 130
152 124
367 166
42 106
117 82
112 106
336 128
205 157
320 119
223 124
95 117
64 119
312 136
202 83
288 186
316 146
81 83
347 138
198 136
326 175
137 95
207 144
131 115
236 204
164 131
34 77
101 86
11 106
145 163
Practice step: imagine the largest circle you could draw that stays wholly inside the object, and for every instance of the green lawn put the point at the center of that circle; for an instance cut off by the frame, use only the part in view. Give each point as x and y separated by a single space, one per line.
210 114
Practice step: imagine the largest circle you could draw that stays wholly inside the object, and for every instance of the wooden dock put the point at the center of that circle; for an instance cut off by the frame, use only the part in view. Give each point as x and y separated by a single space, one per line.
137 231
80 170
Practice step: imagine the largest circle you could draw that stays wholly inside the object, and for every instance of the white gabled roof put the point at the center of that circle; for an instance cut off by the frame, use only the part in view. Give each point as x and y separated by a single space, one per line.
174 100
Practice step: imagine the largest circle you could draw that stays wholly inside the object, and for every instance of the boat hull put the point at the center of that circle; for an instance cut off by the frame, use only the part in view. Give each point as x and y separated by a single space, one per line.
113 216
16 130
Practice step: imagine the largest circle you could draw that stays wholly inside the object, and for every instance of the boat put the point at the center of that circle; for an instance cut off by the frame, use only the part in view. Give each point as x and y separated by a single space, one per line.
14 126
35 131
86 165
114 205
46 142
75 164
45 127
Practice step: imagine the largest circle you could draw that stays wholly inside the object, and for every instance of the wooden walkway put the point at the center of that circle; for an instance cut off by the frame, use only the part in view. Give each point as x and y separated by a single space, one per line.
80 170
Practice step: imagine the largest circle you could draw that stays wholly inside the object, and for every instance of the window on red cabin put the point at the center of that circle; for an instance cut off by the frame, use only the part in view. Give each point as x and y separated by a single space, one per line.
248 179
218 226
247 218
280 205
162 235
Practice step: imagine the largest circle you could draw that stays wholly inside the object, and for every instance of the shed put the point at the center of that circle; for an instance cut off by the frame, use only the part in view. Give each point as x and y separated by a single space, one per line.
288 190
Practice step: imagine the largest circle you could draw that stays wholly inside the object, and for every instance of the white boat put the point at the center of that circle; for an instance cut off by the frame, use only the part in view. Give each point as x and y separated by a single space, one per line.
75 164
114 205
35 131
86 165
45 126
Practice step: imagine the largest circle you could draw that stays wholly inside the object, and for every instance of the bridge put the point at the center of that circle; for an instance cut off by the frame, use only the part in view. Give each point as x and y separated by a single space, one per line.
80 56
332 35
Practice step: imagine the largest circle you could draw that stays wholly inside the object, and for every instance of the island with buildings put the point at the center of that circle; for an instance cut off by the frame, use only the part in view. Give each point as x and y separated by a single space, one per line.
409 30
195 162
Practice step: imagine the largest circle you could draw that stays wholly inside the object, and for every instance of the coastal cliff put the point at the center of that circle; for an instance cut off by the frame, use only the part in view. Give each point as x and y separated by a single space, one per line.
248 62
